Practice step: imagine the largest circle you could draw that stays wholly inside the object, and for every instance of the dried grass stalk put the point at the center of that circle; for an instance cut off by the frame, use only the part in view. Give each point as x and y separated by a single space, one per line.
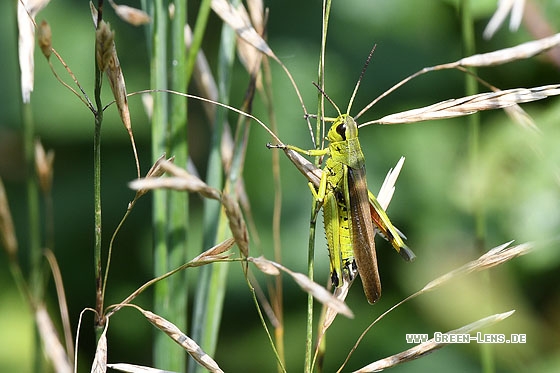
492 258
133 368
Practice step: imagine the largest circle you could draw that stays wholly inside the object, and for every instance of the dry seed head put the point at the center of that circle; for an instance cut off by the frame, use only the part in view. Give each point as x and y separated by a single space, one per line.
171 11
181 179
51 343
104 39
135 17
45 38
108 62
44 166
183 340
236 223
7 232
214 252
155 171
265 265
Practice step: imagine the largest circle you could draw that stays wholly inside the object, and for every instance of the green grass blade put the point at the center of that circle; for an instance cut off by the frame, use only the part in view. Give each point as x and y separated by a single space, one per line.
211 283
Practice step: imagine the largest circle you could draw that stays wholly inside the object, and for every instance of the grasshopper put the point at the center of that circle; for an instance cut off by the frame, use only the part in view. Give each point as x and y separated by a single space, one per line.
351 213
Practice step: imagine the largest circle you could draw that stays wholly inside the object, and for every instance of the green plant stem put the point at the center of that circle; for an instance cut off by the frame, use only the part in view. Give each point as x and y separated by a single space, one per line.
310 300
198 33
471 88
177 201
33 228
315 209
33 232
166 355
97 201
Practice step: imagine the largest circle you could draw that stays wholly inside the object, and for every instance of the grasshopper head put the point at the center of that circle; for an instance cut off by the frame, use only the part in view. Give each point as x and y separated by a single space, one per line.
344 128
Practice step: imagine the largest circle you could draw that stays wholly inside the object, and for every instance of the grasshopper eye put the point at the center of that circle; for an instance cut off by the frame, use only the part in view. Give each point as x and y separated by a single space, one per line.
341 130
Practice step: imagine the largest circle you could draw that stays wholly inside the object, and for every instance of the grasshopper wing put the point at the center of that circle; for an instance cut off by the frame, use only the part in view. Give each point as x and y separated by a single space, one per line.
362 232
388 230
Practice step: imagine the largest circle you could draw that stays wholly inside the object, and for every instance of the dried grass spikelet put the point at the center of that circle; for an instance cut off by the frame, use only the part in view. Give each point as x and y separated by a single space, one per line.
104 41
44 36
183 340
100 361
108 61
51 343
181 179
318 292
26 12
44 166
236 223
516 7
235 18
7 232
471 104
135 17
248 55
214 253
265 266
116 81
154 172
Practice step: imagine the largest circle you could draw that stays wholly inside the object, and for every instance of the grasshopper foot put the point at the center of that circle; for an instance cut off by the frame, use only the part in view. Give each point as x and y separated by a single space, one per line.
275 146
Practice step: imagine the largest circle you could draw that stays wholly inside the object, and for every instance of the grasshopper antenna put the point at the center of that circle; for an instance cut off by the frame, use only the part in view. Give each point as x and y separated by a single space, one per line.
327 97
360 79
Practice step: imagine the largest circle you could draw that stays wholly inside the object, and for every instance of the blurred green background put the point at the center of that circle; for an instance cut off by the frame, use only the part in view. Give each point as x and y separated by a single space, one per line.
518 177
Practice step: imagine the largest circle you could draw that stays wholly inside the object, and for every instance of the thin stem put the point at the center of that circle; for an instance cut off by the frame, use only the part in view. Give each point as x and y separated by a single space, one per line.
471 88
35 292
198 34
97 200
97 210
277 295
177 201
319 142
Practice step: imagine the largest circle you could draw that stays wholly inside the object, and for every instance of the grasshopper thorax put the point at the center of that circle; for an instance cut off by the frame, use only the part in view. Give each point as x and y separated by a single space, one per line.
344 128
344 146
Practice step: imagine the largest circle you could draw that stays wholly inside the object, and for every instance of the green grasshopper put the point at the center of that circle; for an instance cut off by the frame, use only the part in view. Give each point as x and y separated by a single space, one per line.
351 213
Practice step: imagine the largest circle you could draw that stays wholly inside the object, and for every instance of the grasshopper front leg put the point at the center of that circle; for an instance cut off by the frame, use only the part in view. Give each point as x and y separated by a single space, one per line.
320 192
